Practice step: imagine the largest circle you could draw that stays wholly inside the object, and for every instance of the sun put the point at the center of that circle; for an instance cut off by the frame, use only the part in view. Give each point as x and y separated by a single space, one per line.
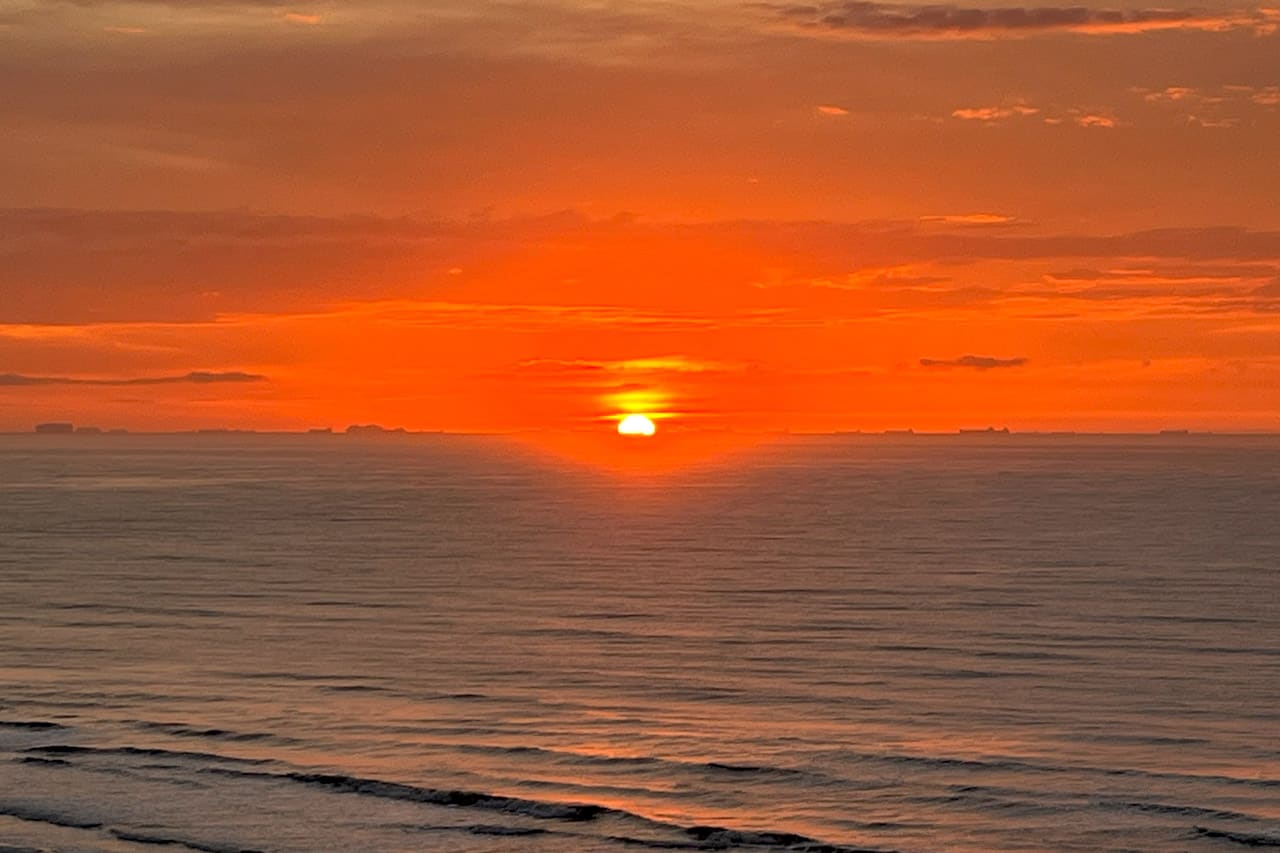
636 425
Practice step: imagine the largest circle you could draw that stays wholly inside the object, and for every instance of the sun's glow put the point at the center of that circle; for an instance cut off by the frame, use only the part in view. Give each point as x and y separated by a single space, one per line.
636 425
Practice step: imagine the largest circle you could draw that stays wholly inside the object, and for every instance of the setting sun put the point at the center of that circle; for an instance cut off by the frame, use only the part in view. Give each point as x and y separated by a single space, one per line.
636 425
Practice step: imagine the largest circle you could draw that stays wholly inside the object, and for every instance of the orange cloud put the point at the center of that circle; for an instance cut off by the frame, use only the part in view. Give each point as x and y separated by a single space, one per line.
993 113
1095 120
1268 96
971 219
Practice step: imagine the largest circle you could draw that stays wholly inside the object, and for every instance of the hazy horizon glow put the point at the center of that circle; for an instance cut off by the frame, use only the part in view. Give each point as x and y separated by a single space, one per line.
749 216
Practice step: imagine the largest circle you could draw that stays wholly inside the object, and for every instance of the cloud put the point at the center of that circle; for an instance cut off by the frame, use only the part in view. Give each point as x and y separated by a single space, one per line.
1077 274
993 113
185 4
205 378
95 267
1270 290
1201 121
1172 93
863 18
1268 96
1095 120
1214 107
1170 290
653 364
1021 109
829 110
195 377
1172 274
971 219
975 362
900 277
1260 95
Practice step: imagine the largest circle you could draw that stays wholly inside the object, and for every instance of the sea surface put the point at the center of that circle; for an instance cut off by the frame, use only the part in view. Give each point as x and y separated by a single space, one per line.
825 644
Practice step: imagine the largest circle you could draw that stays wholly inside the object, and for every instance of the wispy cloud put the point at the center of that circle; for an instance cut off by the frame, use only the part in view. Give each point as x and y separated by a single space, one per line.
1270 290
862 18
1081 117
96 267
971 219
1088 119
898 276
1225 106
1267 96
995 113
196 377
651 364
1172 93
1174 274
974 362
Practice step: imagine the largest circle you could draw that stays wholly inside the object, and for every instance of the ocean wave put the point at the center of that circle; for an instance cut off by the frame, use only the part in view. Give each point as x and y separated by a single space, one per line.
558 754
170 841
504 831
68 749
35 814
1181 811
576 812
44 762
33 725
583 759
702 838
687 837
1248 839
1005 764
753 769
991 800
192 731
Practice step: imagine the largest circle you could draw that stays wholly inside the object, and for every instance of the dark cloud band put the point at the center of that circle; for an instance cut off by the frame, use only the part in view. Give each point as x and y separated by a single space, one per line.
196 377
975 362
887 19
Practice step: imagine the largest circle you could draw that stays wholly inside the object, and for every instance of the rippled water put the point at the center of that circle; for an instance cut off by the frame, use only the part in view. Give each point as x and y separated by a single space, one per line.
957 644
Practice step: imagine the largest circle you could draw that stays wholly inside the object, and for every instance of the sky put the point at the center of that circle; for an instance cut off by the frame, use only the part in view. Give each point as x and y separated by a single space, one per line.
753 216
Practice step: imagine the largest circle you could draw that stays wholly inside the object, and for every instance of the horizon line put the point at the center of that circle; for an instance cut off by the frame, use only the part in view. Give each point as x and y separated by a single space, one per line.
377 432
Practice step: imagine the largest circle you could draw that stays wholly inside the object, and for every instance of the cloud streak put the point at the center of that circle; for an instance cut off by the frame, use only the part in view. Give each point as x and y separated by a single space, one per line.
861 18
656 364
993 113
973 362
970 219
61 268
195 377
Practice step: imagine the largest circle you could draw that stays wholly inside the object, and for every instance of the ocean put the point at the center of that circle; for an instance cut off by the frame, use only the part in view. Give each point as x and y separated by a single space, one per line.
1009 643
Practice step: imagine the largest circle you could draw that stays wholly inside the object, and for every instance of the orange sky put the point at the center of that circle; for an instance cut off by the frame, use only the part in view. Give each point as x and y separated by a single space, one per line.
752 216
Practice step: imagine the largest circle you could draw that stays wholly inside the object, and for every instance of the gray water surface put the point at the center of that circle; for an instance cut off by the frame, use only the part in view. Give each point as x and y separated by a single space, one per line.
447 643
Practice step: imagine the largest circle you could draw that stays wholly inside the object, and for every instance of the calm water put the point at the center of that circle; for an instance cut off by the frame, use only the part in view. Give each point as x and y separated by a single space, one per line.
449 644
